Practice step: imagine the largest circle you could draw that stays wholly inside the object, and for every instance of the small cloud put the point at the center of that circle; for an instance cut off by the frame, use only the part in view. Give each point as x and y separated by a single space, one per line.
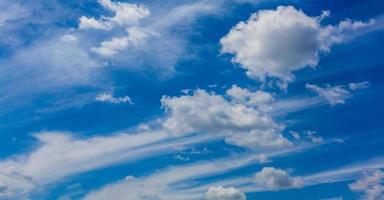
359 86
371 185
182 158
295 41
295 135
313 136
337 94
273 179
333 94
221 193
108 98
263 158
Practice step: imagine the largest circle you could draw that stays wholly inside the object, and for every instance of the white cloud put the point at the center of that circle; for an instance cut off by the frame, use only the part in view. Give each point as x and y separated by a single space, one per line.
313 136
90 22
243 125
135 36
60 155
359 86
337 94
12 11
276 179
179 182
259 98
275 43
333 94
124 14
310 135
371 185
221 193
52 66
108 98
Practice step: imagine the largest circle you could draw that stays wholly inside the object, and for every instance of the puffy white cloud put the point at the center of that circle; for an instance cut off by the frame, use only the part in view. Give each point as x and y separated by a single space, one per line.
135 36
259 98
105 97
242 124
371 185
124 14
274 179
221 193
275 43
337 94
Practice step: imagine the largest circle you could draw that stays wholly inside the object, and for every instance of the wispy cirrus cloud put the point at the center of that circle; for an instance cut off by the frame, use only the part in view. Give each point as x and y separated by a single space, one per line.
108 98
337 94
371 185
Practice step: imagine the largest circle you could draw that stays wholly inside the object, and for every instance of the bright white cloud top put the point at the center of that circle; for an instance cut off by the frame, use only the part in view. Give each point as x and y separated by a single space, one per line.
237 118
230 137
276 179
275 43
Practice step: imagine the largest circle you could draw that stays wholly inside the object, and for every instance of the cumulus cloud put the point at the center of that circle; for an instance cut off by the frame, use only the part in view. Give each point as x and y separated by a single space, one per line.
242 124
337 94
371 185
275 43
124 14
276 179
108 98
259 98
221 193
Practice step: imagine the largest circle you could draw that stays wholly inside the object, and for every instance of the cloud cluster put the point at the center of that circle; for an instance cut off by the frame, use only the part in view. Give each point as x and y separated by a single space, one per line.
135 36
337 94
309 135
221 193
239 118
108 98
275 43
371 185
274 179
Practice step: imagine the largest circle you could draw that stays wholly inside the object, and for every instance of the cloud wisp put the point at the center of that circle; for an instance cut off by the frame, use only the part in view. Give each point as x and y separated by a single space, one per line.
337 94
108 98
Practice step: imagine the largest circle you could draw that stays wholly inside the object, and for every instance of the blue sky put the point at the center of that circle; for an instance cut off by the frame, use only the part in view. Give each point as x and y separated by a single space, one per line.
191 100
